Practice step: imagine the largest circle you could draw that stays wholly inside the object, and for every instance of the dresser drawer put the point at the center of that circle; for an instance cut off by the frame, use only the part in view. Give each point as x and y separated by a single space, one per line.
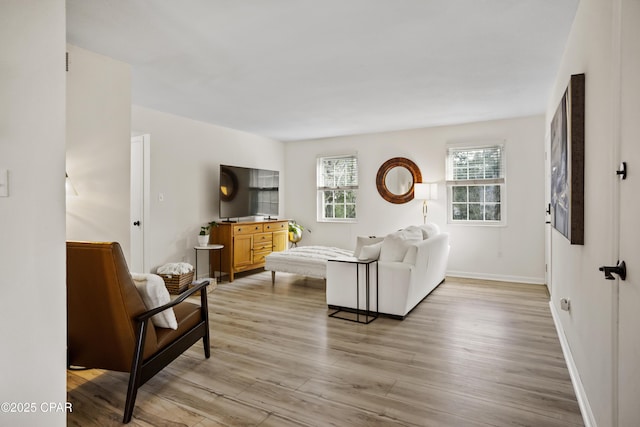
262 246
276 226
247 229
262 237
258 257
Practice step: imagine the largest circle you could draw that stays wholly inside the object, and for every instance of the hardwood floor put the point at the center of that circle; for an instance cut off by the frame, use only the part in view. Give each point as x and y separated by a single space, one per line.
471 354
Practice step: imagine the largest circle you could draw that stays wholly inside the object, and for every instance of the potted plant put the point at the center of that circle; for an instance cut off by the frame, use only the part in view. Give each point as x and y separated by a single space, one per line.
203 237
295 232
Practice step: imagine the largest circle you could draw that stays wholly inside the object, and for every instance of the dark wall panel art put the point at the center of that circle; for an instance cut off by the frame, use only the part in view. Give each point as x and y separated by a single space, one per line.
567 163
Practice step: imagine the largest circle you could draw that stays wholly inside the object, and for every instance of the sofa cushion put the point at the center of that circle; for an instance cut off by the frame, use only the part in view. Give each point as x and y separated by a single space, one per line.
429 230
154 294
370 251
395 245
362 241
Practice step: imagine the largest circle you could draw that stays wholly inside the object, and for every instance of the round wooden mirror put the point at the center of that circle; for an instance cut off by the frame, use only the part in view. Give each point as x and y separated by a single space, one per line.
395 180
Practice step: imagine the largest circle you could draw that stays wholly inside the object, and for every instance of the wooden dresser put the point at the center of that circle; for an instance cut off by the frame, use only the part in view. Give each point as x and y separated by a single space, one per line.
246 244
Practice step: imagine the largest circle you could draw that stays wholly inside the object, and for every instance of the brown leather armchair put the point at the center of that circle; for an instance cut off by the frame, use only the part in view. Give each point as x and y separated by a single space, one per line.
109 327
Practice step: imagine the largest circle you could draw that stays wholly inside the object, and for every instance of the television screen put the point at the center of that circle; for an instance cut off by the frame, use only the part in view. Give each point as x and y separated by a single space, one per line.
248 192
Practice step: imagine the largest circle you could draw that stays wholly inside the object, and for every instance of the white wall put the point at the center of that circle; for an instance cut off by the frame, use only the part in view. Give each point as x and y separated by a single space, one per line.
514 252
185 159
98 147
32 251
589 327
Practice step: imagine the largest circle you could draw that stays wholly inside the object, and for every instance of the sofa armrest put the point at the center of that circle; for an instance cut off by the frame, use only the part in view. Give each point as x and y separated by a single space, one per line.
431 257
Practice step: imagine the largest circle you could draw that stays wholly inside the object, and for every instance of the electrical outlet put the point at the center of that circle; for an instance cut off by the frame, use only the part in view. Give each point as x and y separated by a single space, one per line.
565 304
161 197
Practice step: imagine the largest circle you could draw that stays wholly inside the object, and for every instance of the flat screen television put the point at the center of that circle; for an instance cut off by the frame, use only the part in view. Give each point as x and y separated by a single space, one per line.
248 192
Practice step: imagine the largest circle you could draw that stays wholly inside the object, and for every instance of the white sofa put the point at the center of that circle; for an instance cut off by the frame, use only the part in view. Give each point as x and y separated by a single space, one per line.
411 263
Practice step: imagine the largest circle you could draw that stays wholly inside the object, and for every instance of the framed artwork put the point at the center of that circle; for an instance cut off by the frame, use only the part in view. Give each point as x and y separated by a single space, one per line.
567 163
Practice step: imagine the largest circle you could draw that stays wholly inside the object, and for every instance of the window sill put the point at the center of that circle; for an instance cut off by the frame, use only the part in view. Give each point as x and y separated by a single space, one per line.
338 221
478 223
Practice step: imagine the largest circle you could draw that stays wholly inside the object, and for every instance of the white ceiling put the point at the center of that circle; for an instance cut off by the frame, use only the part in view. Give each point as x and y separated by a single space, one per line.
300 69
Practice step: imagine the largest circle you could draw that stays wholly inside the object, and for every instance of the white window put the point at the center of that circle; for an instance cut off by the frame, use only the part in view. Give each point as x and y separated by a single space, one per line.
476 185
337 182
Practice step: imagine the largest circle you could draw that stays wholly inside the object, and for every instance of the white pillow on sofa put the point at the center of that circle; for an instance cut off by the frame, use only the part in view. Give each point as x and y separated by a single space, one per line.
370 251
154 294
362 241
395 245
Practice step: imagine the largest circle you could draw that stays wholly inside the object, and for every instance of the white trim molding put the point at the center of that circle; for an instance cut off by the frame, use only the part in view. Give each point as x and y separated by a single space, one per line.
497 277
581 395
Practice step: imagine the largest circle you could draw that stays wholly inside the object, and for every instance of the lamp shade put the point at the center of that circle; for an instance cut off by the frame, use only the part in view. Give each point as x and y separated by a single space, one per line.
425 191
434 191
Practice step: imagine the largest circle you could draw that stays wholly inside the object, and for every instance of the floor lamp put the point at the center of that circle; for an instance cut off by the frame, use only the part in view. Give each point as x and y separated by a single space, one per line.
425 191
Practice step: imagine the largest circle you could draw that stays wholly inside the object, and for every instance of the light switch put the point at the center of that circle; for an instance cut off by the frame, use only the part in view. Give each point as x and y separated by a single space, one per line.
4 183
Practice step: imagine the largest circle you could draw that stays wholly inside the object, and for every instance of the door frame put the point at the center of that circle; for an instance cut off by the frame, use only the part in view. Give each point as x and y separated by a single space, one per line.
143 168
547 217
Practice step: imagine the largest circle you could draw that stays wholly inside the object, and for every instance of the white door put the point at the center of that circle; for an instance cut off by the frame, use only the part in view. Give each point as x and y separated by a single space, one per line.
629 208
137 223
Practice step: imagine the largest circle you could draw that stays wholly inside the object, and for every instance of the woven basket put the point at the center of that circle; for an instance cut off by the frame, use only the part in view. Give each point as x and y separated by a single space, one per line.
212 285
177 283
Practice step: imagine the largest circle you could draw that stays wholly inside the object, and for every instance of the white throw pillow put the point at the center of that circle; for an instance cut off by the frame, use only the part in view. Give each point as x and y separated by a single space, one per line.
370 251
395 245
154 294
362 241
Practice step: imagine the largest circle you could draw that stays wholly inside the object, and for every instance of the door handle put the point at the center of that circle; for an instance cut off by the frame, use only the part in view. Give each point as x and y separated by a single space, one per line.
136 223
622 172
620 269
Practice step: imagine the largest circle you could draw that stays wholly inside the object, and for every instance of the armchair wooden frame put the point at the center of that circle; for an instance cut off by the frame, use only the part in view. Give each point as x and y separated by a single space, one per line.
143 370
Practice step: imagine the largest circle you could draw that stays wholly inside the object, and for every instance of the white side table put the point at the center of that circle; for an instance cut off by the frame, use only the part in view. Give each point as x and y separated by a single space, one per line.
210 248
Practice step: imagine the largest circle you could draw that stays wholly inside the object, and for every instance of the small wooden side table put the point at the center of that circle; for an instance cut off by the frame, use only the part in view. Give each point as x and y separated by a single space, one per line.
210 248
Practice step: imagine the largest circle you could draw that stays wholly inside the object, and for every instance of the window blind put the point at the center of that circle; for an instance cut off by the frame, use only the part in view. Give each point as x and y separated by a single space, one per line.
338 173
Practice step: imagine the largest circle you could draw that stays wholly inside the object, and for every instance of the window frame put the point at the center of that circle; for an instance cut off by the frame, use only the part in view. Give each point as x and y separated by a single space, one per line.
322 188
500 181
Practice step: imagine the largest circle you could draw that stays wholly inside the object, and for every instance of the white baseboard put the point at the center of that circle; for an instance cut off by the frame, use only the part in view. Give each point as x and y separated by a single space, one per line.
583 401
498 277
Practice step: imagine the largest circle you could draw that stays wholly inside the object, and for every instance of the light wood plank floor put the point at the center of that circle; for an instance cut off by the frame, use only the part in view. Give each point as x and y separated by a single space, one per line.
471 354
